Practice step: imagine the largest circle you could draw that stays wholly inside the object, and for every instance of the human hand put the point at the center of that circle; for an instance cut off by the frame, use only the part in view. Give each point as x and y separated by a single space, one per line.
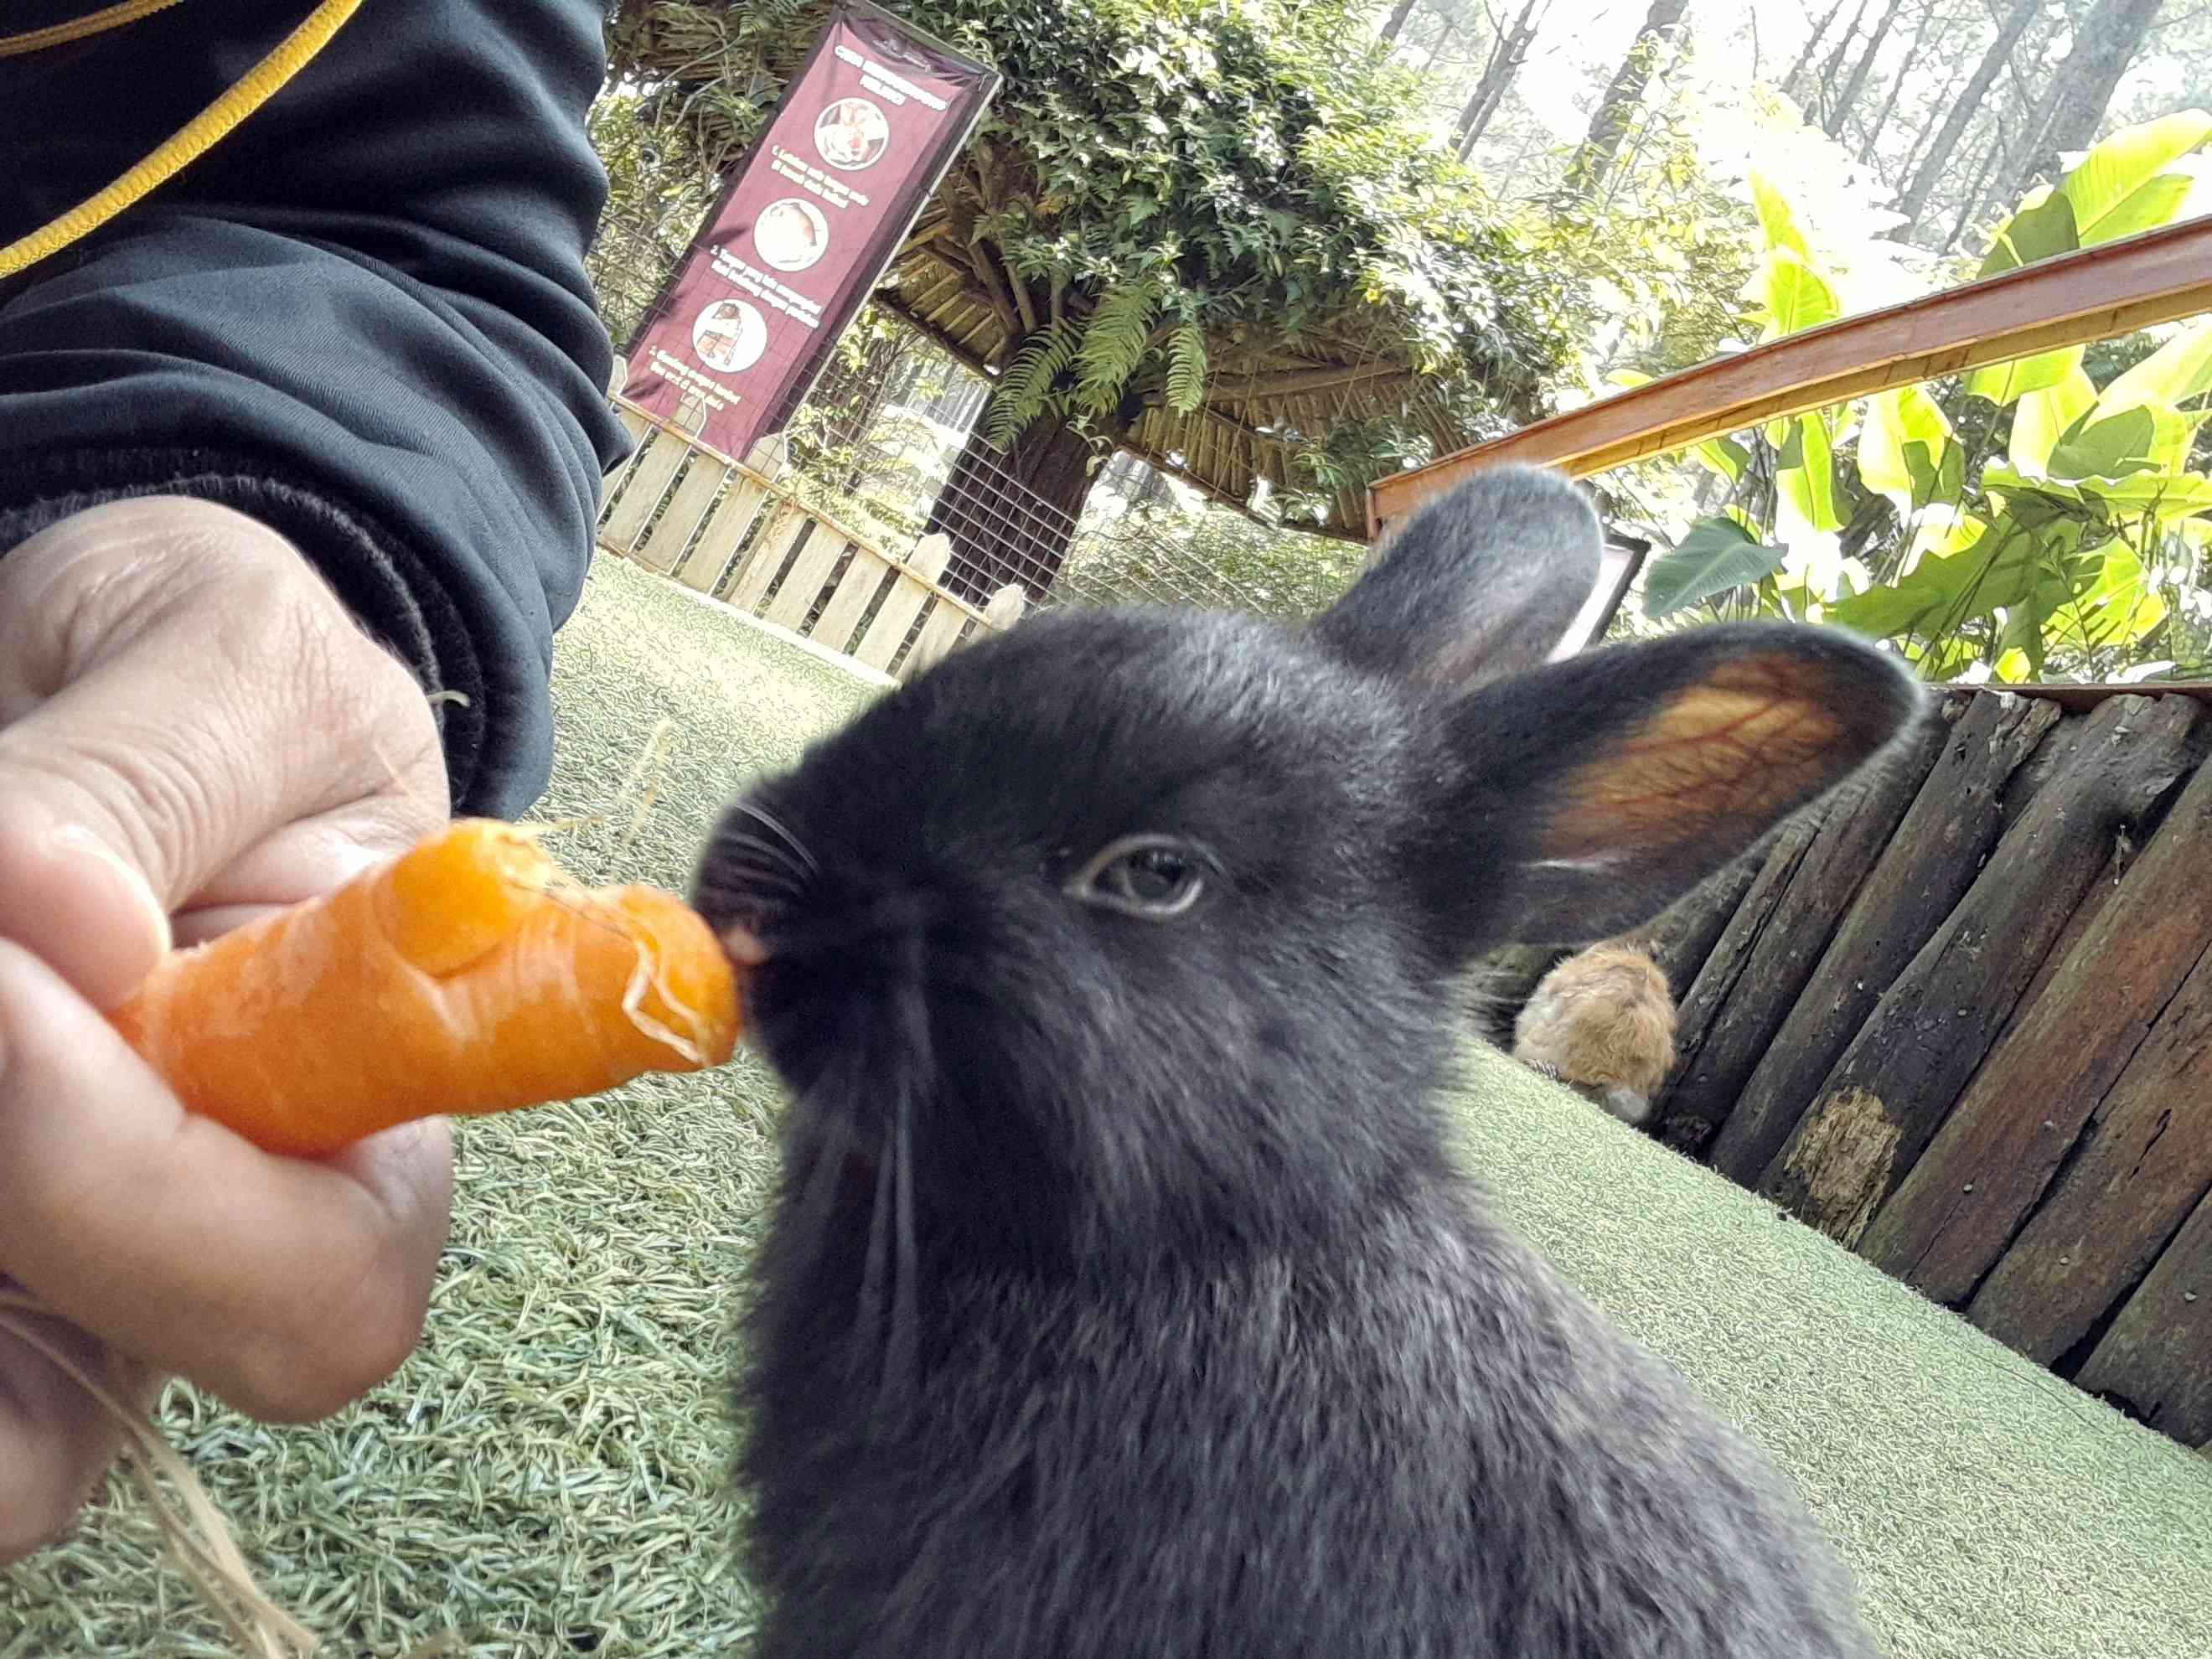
192 730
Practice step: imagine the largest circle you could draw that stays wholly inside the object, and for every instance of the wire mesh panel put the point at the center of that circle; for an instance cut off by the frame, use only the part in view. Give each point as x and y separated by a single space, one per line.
888 442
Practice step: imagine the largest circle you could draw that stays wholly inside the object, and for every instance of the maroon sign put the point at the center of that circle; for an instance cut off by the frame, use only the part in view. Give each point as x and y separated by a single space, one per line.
806 227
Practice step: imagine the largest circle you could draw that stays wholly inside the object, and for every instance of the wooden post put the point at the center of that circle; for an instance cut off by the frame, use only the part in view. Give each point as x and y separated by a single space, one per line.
1777 937
724 531
1992 1163
1877 1110
1682 936
862 580
649 477
2146 1164
787 522
670 534
904 602
1677 1113
1928 863
810 574
2158 1354
1007 607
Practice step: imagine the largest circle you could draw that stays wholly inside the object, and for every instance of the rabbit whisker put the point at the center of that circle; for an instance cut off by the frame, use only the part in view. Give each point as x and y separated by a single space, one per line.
768 820
767 853
763 880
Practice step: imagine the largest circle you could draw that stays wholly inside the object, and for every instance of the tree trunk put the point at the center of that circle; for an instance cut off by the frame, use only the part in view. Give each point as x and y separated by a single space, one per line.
1011 513
1395 24
1506 56
1617 107
1864 67
1832 70
1972 198
1911 62
1964 108
1811 45
2106 43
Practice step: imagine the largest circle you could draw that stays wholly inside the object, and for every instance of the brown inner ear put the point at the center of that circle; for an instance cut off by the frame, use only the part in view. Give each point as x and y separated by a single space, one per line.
1751 740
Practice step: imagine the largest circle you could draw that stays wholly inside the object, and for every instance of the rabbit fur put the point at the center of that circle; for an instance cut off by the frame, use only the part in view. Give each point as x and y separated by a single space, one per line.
1124 1293
1602 1022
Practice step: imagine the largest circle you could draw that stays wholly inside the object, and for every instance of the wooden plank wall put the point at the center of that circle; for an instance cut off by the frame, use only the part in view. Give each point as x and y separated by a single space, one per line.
1962 1021
737 530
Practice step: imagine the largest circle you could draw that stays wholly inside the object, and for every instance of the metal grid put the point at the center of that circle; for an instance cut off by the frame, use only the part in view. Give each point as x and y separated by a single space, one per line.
854 444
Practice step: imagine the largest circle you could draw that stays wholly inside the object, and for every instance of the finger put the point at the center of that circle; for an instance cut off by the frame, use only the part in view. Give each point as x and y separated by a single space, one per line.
55 1440
286 1286
197 687
67 895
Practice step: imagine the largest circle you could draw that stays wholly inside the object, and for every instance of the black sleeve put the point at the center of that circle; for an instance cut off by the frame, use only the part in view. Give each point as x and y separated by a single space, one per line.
363 318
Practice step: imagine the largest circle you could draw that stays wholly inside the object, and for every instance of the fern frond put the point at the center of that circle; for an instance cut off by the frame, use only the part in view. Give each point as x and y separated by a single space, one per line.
1026 387
1186 387
1113 345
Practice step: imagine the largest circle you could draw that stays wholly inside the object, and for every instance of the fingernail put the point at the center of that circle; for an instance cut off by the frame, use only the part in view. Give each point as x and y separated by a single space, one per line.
137 892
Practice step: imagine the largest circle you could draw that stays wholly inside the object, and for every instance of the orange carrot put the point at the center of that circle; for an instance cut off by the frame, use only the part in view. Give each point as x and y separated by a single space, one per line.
467 976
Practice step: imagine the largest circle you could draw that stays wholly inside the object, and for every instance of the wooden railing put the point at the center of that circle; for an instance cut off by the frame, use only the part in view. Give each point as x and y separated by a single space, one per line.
2075 299
739 532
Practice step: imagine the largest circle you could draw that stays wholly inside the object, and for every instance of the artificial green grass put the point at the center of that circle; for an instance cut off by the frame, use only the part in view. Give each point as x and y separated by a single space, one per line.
546 1474
1988 1509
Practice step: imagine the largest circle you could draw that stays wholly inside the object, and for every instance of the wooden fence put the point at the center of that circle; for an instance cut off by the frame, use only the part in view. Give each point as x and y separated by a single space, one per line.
739 532
1959 1020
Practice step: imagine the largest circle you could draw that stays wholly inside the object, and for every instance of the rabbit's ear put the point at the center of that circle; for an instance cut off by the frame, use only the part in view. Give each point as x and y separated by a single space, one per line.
1481 581
1594 792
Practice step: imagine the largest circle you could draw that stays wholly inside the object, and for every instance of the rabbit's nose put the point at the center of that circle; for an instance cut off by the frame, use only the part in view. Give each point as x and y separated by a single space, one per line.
742 945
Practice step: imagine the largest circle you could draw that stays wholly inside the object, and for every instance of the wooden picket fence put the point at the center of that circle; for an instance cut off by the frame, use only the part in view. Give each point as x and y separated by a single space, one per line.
1959 1020
738 532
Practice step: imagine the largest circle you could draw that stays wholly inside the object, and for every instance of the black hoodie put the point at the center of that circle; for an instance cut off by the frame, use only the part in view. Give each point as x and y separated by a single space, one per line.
363 318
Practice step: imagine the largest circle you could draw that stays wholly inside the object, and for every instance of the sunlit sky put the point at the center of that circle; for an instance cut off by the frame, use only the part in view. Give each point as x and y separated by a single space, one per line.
1737 37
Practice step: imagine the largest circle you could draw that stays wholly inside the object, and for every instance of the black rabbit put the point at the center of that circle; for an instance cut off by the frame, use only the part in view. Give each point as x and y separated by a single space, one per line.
1123 1297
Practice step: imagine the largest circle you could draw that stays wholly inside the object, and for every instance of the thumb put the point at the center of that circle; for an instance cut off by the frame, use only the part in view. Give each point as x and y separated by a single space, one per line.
68 896
179 687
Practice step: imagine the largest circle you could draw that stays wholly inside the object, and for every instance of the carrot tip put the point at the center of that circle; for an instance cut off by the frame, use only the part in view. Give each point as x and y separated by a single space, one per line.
470 975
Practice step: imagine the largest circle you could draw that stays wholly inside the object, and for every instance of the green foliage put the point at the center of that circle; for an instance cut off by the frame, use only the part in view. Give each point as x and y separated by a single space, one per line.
1717 554
657 194
2125 186
1113 345
1026 387
1187 360
1653 264
2034 519
1208 194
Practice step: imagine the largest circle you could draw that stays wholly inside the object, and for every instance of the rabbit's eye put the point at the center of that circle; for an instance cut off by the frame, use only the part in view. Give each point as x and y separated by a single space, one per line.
1150 876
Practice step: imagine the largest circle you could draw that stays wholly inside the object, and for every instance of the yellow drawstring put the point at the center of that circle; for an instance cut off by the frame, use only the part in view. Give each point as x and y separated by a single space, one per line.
191 141
110 17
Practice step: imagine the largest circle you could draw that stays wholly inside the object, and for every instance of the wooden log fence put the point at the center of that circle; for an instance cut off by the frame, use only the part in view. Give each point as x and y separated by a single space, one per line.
1959 1020
741 532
